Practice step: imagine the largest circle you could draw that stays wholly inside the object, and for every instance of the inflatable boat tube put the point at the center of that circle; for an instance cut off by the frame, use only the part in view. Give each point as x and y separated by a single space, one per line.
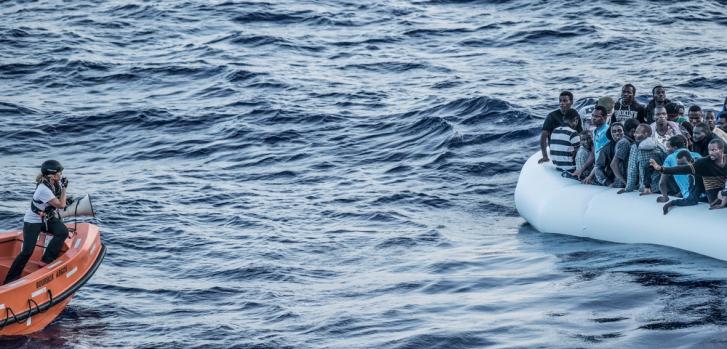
553 204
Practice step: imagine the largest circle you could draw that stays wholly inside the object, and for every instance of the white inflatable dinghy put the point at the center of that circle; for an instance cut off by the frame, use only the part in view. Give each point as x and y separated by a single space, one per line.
553 204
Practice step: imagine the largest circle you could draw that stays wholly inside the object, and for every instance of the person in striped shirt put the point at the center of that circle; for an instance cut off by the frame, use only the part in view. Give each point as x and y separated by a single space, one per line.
564 143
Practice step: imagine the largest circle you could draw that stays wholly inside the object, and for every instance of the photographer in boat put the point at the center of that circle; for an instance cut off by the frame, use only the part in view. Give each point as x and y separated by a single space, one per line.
49 195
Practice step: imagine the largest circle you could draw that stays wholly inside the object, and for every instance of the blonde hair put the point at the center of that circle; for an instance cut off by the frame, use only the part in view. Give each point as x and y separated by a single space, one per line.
39 178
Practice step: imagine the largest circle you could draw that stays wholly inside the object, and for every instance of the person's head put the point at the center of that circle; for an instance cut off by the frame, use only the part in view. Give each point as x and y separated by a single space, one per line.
659 93
628 92
711 119
672 111
675 143
723 123
598 117
630 126
660 115
695 114
572 120
50 170
701 132
616 131
716 149
680 109
586 139
642 132
565 101
684 157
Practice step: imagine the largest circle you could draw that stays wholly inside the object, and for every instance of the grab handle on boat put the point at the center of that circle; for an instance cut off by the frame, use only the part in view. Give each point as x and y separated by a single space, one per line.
30 307
8 311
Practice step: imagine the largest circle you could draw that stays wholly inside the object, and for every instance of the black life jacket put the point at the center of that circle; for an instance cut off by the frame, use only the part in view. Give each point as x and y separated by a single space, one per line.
49 209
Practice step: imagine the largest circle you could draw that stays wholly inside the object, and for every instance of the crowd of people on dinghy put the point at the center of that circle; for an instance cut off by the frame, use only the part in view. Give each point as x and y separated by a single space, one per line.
654 149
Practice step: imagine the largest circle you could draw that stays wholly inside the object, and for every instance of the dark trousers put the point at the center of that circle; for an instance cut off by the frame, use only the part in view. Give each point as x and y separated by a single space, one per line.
695 193
31 231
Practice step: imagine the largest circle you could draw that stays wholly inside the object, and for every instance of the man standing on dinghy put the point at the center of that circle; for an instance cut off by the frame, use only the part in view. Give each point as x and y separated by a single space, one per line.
659 100
557 119
50 194
627 107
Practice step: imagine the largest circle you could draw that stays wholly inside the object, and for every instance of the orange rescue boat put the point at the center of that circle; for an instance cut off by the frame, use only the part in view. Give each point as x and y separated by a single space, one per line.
33 301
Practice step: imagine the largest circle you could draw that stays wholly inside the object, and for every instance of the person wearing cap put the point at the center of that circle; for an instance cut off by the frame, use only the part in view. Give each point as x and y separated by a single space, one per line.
627 107
557 119
49 195
606 102
659 99
663 129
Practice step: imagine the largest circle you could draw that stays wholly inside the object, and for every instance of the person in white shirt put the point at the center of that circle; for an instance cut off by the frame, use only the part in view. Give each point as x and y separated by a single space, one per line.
50 194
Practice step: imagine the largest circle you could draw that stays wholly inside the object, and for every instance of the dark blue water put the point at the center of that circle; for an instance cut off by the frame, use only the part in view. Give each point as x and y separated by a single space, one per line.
340 174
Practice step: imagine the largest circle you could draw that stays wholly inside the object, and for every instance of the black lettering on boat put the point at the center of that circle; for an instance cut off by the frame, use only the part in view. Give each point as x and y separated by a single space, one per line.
44 281
61 271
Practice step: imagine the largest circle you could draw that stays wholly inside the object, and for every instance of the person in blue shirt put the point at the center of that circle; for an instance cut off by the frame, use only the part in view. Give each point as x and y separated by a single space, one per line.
675 145
600 133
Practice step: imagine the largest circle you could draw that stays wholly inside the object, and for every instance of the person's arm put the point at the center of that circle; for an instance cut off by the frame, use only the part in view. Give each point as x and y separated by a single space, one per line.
59 203
616 168
632 174
683 169
544 135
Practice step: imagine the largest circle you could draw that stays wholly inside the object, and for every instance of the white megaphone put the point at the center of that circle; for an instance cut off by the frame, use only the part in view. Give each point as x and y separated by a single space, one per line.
79 207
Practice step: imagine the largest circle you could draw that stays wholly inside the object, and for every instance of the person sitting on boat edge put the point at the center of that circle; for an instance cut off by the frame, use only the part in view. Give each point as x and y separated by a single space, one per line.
658 100
584 153
619 164
676 184
555 120
627 107
600 132
684 157
604 172
640 175
662 129
49 195
564 143
600 138
712 169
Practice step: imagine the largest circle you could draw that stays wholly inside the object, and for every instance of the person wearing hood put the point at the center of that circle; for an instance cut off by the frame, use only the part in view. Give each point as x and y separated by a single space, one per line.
627 107
663 129
659 99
